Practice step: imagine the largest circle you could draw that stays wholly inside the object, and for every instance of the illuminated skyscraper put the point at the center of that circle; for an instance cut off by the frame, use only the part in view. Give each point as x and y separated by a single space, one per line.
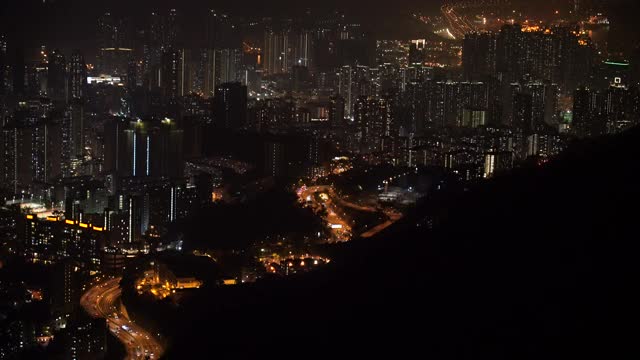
31 154
171 29
448 100
354 46
219 66
144 148
276 52
523 111
230 106
336 111
221 58
57 77
373 118
354 81
4 66
73 138
479 52
174 81
77 75
417 51
304 49
275 160
221 32
228 65
415 101
497 162
114 42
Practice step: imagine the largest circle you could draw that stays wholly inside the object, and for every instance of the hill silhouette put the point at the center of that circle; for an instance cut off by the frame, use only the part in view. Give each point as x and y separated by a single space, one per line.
541 263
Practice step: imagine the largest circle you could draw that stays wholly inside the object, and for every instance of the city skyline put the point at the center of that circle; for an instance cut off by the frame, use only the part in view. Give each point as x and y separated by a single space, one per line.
188 181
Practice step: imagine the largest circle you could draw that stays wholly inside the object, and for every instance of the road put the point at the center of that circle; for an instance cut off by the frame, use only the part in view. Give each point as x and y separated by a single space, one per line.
393 217
340 231
100 302
458 24
335 215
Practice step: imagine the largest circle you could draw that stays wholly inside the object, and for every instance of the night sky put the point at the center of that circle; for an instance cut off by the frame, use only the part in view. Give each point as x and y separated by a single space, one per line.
70 24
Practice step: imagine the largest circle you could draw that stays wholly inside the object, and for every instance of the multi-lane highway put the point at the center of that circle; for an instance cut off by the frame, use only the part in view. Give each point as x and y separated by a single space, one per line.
459 25
101 301
336 216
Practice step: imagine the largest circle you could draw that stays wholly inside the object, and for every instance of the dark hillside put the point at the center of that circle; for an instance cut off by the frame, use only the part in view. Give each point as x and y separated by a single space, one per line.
538 264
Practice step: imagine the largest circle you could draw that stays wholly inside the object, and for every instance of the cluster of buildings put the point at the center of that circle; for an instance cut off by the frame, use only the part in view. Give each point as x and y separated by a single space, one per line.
98 159
562 75
134 141
141 138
